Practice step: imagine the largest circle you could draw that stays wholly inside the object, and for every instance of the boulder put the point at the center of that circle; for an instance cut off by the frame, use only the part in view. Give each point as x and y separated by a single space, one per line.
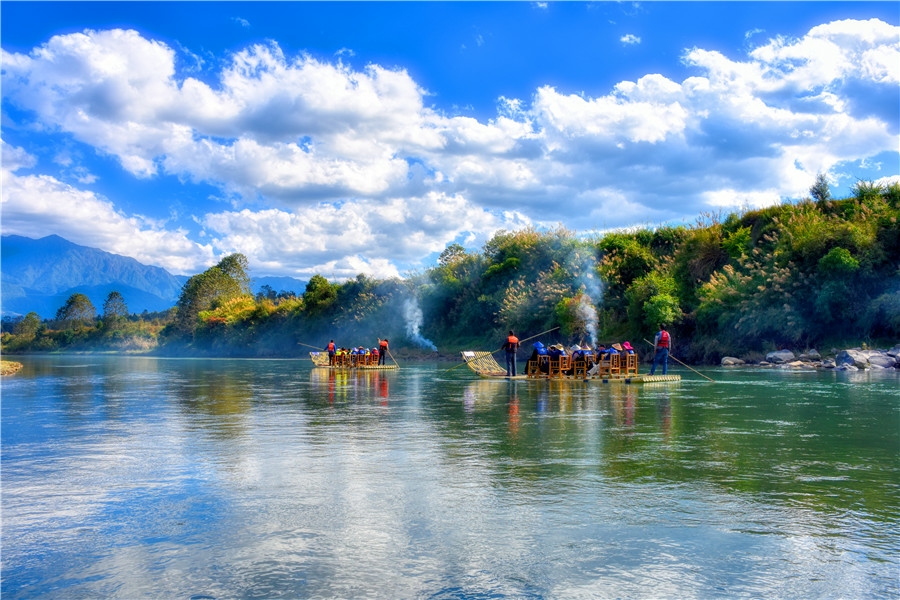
895 351
811 354
730 361
857 358
828 363
884 361
846 367
780 356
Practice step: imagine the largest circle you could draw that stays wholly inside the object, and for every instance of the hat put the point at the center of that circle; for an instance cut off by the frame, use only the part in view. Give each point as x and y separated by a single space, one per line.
627 346
617 347
538 345
575 348
558 346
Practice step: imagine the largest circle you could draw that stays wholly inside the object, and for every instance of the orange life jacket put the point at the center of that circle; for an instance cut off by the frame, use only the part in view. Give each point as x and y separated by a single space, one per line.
383 344
663 339
331 346
512 343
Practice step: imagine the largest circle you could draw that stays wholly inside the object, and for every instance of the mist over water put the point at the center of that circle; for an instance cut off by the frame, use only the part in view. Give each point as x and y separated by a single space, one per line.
412 312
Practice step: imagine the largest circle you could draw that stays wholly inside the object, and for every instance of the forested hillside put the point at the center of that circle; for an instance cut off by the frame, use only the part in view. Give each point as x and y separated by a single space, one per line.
817 273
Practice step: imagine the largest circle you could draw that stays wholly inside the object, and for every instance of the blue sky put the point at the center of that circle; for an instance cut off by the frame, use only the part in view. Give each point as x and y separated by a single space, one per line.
343 138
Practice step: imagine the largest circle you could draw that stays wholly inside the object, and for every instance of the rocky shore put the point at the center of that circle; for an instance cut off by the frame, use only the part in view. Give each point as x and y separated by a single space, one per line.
851 359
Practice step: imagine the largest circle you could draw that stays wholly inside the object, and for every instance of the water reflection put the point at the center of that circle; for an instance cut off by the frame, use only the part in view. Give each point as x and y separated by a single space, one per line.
144 479
343 385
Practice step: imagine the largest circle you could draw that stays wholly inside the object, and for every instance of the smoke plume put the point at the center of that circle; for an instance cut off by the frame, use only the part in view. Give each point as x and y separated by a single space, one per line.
413 315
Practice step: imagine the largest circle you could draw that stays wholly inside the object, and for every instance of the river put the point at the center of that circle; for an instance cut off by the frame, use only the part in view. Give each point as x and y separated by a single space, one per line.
135 477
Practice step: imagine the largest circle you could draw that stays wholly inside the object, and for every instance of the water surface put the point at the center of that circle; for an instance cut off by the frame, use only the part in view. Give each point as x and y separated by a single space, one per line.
144 477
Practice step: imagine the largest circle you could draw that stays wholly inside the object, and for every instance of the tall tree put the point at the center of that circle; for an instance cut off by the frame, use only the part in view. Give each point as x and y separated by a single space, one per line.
78 310
820 192
114 308
226 280
28 327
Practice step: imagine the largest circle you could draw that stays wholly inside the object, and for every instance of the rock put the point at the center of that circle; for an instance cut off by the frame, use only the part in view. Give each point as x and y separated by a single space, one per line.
846 367
895 351
884 361
730 361
780 356
828 363
857 358
811 354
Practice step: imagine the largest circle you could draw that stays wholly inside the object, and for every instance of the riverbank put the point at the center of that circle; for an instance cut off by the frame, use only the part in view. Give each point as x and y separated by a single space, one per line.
9 367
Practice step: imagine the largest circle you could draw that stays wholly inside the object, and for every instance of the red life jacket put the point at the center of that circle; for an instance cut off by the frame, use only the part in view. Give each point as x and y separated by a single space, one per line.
383 344
663 339
331 346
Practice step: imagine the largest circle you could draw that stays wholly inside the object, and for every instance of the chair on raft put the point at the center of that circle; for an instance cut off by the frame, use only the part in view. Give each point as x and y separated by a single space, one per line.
558 364
631 364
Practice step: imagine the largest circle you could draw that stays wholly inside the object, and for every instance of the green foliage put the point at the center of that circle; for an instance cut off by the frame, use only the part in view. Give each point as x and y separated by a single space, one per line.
892 194
866 191
788 275
78 311
228 279
114 310
28 327
651 302
820 191
838 263
320 295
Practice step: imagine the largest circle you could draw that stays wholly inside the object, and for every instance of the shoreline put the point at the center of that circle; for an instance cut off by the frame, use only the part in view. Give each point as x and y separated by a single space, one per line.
9 367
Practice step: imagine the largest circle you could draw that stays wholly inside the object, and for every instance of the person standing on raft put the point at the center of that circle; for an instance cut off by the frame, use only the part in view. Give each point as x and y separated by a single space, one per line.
511 345
662 343
382 350
331 351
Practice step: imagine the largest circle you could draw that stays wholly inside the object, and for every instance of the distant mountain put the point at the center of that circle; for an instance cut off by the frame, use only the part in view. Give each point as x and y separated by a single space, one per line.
279 284
39 275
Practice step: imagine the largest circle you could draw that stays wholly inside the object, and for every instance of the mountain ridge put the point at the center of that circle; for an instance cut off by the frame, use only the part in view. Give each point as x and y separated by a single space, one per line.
40 274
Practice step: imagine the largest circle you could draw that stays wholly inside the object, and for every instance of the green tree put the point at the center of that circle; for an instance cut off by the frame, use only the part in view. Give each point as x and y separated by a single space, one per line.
78 310
225 281
114 309
28 327
819 191
319 295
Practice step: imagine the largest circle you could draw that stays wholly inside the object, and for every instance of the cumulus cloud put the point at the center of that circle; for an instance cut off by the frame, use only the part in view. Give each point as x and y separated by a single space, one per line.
630 39
37 205
335 169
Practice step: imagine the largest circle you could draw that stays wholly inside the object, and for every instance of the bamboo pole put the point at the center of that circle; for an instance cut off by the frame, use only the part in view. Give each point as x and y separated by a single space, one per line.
392 357
498 350
679 362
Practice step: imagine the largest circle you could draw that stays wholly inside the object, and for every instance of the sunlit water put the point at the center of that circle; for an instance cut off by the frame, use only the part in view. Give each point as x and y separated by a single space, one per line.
152 478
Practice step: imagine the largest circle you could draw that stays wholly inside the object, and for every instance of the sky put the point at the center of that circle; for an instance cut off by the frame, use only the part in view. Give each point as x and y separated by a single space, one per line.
342 138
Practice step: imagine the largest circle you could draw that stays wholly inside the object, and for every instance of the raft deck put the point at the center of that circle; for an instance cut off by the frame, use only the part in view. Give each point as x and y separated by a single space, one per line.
484 365
320 360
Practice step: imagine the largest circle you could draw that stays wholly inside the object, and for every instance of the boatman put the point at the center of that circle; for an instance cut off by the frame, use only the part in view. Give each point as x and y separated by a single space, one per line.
661 345
511 345
331 350
382 350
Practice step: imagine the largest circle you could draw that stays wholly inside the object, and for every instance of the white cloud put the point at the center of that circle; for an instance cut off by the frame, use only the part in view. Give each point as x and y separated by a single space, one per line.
332 168
36 205
630 39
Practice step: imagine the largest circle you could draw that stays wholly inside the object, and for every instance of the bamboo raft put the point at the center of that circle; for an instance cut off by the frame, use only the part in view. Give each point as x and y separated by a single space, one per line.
484 365
350 361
